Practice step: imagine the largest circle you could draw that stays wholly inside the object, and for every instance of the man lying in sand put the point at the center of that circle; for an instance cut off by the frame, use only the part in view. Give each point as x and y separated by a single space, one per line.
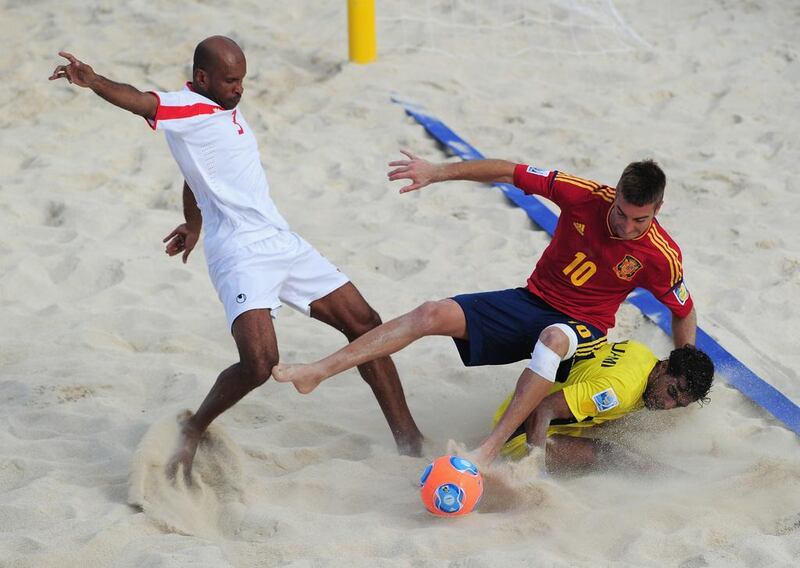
607 242
255 261
615 380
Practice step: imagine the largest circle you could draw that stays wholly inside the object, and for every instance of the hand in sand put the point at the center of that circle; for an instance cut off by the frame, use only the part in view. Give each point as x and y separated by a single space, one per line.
181 239
75 72
419 171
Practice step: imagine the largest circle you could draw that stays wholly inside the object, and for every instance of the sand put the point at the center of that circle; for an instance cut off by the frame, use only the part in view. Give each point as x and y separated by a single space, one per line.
105 339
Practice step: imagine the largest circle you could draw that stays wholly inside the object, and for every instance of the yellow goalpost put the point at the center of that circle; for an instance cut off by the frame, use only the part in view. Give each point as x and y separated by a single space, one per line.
361 30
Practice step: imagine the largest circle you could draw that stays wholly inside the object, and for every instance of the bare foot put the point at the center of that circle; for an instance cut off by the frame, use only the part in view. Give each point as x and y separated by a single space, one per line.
183 457
304 378
409 445
478 457
460 450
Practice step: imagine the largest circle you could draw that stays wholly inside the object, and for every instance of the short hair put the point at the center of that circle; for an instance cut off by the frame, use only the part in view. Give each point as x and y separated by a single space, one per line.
203 57
698 369
206 54
642 183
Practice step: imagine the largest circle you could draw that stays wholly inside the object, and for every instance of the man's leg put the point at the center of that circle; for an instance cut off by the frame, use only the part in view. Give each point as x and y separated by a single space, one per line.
566 453
533 385
346 310
444 317
258 353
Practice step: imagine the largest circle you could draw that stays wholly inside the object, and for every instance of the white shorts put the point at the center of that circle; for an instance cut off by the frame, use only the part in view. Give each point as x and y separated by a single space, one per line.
282 268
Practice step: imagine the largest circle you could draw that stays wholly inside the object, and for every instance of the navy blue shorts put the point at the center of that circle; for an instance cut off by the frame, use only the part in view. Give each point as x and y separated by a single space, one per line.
504 326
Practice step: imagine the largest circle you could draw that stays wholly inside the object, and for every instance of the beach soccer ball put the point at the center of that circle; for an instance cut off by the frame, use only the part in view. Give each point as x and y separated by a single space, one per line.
450 486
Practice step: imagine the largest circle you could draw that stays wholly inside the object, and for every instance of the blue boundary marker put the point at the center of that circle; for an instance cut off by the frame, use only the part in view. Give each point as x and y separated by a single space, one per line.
737 374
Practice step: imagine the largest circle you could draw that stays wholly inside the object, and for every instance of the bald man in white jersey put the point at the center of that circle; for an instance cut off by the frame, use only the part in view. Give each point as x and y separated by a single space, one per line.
255 261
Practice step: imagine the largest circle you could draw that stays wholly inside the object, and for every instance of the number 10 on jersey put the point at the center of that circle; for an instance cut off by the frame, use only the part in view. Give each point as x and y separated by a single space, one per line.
580 269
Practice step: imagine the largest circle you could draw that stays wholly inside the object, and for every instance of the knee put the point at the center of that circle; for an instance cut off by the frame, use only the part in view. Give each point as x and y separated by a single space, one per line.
361 323
257 369
427 316
556 339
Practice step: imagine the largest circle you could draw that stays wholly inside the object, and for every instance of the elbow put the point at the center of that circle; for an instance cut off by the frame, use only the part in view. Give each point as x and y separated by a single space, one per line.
149 105
508 173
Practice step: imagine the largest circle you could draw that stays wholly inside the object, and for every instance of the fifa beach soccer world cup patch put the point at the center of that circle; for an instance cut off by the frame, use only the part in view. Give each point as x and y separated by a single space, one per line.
605 400
538 171
681 292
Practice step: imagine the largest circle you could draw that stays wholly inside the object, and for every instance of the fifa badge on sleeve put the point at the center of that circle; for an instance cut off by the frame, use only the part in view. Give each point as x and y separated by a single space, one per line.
605 400
537 171
681 293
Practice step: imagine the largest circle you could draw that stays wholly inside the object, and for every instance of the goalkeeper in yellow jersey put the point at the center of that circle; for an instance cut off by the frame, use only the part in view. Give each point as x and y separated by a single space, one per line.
613 381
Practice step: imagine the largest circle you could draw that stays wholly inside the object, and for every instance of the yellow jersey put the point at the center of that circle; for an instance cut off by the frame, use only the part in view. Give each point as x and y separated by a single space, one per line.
604 386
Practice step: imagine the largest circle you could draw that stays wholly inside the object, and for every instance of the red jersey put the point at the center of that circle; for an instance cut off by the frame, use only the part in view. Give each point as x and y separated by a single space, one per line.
586 272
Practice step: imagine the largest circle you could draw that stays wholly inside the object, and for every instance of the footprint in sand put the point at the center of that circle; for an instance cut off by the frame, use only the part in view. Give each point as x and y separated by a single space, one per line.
394 268
54 214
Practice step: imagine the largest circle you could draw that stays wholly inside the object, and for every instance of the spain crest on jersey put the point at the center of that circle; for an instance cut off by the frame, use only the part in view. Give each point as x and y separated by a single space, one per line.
627 267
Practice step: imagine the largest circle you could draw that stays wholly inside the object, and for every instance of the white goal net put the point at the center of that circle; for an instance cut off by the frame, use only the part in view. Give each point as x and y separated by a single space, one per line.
512 28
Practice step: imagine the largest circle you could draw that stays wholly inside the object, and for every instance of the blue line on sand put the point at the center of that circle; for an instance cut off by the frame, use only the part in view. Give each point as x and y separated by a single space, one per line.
737 374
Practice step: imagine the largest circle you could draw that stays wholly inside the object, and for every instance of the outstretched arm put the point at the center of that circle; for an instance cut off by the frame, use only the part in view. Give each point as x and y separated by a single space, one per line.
684 330
422 173
118 94
185 236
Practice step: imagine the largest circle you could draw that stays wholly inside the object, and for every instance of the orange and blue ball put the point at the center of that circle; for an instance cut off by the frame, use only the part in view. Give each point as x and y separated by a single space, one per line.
451 486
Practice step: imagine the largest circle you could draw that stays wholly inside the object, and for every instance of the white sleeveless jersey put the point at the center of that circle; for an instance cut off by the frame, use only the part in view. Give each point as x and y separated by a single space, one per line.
218 156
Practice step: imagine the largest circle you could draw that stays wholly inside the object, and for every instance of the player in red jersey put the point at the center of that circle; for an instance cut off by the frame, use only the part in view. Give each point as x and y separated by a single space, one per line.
607 242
